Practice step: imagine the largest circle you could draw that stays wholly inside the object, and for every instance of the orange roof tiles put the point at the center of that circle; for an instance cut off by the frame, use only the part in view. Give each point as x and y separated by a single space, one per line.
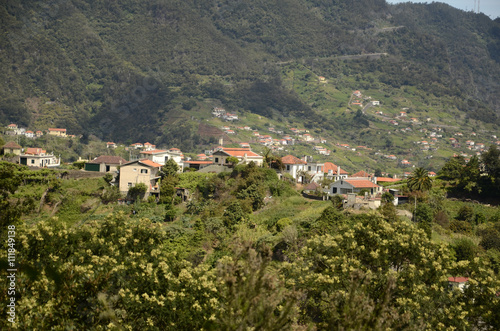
360 183
34 151
290 159
330 166
361 174
239 152
387 179
150 163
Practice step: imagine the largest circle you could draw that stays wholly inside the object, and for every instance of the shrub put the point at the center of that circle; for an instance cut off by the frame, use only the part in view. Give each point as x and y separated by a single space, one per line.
283 223
138 191
466 213
441 218
465 249
460 226
491 240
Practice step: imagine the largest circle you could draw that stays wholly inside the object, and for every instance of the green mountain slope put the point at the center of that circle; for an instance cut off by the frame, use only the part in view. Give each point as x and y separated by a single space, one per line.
144 70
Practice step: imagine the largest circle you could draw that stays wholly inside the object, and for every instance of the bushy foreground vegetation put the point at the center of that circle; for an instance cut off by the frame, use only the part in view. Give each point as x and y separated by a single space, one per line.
245 252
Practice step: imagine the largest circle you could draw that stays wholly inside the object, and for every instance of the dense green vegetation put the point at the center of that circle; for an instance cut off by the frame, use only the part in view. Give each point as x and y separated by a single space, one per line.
246 252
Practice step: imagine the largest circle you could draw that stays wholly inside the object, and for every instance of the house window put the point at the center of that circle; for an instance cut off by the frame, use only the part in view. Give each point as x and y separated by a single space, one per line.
144 171
166 158
32 161
108 168
129 184
334 190
309 168
216 160
287 167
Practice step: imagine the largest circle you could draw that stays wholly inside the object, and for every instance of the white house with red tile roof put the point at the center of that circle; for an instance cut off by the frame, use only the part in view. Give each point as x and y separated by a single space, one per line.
38 157
137 145
333 171
12 126
244 155
245 145
458 282
405 163
29 134
294 166
149 147
110 144
161 156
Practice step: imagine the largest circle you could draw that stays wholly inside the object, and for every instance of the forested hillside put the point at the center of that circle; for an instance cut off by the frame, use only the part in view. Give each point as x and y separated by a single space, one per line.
130 69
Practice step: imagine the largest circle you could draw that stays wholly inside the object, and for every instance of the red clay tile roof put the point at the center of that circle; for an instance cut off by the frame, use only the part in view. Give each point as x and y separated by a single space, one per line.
56 129
312 186
34 151
388 179
12 144
330 166
458 279
150 163
108 159
290 159
361 183
240 152
361 173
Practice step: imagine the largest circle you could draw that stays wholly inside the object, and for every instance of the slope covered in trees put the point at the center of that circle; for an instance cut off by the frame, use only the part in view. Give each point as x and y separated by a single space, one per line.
121 70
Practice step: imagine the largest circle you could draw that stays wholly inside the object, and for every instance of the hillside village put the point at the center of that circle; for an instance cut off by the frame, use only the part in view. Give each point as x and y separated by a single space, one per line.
240 143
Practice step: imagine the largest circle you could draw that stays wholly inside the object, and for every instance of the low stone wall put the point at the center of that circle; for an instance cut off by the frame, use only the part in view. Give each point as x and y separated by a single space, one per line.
315 197
78 174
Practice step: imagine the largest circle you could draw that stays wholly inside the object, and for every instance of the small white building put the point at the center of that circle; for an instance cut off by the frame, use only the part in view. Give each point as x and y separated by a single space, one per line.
458 282
295 167
37 157
161 156
354 185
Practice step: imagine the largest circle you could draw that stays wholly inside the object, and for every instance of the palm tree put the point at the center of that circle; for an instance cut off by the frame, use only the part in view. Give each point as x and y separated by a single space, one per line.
419 180
272 161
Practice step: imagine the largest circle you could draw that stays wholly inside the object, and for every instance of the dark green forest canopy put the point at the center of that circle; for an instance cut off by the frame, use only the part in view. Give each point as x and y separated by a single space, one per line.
115 69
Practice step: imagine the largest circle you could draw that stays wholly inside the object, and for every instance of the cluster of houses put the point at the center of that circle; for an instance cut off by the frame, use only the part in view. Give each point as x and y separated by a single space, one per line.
222 114
145 168
15 130
278 144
